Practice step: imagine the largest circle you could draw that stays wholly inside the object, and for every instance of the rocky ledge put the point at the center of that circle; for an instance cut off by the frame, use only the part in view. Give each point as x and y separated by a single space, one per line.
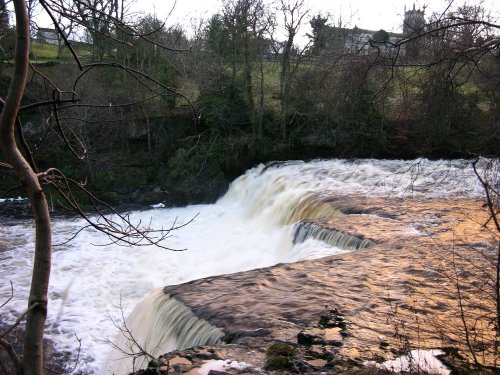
316 350
334 315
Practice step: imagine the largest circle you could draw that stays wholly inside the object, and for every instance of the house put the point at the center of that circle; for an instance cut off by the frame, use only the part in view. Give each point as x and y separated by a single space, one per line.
358 41
47 36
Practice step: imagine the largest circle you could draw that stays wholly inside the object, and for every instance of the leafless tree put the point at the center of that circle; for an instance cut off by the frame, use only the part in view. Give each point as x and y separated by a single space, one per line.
242 20
18 157
293 13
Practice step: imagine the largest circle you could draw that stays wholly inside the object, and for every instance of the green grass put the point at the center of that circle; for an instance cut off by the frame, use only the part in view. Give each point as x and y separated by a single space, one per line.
42 52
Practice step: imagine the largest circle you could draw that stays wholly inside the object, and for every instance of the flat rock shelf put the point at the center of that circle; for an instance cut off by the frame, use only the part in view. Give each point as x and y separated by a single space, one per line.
390 298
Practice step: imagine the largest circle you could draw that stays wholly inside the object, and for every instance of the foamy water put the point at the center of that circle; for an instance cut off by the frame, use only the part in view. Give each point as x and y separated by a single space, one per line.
250 227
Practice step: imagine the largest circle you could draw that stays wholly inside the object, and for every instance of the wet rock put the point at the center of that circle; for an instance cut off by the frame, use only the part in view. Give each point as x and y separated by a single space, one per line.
316 351
305 338
15 209
330 330
384 344
155 363
175 365
353 353
205 353
318 336
317 362
331 319
179 361
264 314
333 334
259 332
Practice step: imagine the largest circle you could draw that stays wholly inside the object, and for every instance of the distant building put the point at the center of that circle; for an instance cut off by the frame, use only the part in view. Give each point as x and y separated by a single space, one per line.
48 36
358 41
365 42
414 25
414 21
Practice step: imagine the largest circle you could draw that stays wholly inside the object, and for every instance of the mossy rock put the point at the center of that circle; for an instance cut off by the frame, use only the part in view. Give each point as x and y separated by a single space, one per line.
279 357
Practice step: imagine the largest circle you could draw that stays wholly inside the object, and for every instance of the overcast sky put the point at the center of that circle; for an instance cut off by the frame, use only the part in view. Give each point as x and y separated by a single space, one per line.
367 14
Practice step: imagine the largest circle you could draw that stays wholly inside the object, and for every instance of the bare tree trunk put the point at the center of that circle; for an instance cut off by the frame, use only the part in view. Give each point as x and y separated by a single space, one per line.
285 83
248 84
293 12
37 305
260 114
148 124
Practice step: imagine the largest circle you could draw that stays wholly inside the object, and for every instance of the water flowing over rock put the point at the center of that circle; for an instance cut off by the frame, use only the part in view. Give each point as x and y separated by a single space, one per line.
241 270
376 288
157 325
305 230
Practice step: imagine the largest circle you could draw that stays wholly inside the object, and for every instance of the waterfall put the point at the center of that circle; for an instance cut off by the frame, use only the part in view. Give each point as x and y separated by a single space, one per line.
157 325
250 227
305 230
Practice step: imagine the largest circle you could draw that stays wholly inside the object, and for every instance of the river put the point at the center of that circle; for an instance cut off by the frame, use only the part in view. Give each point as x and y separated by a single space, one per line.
250 227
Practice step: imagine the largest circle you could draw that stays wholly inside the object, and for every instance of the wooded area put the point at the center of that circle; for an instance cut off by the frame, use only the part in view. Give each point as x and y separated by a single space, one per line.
236 92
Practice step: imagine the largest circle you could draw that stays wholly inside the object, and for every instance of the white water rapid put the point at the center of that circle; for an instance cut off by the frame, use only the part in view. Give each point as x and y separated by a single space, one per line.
250 227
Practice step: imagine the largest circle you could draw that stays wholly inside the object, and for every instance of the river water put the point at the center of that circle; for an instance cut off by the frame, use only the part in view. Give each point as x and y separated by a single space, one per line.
250 227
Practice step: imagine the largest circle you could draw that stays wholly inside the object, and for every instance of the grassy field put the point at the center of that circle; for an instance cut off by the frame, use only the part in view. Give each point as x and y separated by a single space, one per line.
43 52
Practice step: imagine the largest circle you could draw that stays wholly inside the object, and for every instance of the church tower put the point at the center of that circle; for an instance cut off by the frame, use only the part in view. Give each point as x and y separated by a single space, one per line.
414 21
414 25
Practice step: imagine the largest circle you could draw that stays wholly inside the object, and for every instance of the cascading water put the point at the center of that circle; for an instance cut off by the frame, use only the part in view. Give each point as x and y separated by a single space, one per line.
250 227
305 230
157 325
